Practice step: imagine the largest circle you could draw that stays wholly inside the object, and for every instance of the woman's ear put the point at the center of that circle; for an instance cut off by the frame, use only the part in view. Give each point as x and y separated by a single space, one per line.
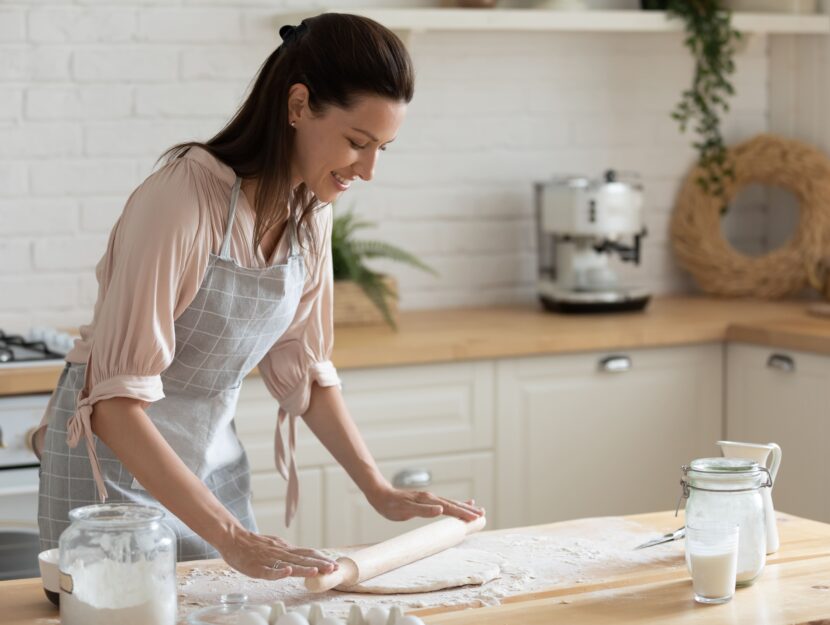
297 103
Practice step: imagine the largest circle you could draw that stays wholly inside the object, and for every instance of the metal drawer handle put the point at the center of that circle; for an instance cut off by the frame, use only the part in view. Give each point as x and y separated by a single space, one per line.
781 362
412 478
615 364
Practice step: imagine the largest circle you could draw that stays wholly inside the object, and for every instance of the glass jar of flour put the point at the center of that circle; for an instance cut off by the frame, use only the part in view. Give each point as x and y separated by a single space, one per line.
117 566
728 491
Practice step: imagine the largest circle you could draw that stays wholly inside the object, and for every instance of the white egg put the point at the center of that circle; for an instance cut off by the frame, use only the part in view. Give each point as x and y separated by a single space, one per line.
292 618
251 618
265 610
377 616
409 620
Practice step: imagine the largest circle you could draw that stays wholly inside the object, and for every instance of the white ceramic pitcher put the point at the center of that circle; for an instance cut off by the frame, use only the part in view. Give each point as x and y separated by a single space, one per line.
761 454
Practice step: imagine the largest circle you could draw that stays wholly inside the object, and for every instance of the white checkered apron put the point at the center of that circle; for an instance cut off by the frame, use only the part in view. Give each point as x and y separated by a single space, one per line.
235 318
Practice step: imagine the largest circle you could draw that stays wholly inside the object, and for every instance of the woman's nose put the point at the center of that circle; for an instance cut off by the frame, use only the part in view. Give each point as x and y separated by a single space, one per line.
365 166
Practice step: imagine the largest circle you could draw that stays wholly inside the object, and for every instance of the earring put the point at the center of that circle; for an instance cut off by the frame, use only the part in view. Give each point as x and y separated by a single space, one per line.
293 124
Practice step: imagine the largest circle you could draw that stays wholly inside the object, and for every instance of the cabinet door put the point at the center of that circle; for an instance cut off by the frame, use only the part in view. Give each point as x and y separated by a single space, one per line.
603 434
268 490
350 520
400 411
784 398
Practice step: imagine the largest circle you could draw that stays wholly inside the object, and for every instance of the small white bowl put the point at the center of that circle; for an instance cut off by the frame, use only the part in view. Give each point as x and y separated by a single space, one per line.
49 562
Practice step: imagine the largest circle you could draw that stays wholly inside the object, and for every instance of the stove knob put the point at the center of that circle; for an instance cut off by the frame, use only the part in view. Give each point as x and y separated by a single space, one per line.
6 354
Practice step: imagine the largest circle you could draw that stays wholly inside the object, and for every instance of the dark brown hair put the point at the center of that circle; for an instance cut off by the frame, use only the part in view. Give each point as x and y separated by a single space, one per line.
339 58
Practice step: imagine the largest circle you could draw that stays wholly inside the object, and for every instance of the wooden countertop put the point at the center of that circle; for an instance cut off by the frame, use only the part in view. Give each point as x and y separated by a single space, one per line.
483 333
794 588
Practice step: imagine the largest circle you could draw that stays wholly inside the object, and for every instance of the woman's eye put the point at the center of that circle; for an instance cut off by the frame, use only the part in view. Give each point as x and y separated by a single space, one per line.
355 145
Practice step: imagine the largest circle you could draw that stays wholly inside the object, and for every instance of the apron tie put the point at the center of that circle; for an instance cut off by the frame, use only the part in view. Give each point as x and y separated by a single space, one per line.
79 426
289 471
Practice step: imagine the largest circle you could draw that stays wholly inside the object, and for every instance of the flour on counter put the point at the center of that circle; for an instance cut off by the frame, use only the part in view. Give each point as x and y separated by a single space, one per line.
589 551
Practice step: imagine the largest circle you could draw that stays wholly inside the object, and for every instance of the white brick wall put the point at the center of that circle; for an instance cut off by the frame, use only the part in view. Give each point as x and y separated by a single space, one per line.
91 91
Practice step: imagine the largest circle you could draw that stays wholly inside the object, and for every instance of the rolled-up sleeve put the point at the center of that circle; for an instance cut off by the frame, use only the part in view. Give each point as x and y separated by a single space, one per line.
154 275
302 355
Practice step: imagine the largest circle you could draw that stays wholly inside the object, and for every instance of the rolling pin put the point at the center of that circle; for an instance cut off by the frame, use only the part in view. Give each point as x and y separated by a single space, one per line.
394 553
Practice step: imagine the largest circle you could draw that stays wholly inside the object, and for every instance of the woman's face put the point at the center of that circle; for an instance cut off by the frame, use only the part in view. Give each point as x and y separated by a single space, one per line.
338 146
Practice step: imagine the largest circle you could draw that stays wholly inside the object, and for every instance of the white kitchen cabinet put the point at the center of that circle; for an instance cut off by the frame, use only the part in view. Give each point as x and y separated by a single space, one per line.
268 501
401 411
590 434
350 520
784 397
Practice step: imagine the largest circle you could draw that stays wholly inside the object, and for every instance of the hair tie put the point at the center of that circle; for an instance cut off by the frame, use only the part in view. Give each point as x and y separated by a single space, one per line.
290 33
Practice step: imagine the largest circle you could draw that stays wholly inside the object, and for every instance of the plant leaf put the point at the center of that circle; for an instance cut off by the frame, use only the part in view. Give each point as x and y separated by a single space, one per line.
378 249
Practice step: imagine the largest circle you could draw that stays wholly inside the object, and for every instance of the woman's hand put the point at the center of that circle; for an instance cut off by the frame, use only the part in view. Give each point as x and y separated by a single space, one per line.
269 557
401 505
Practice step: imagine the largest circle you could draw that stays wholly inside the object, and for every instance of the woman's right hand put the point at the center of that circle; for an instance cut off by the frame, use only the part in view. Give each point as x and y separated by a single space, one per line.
269 557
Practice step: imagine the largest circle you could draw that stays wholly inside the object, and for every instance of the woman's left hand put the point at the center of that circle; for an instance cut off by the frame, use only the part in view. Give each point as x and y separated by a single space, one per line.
401 505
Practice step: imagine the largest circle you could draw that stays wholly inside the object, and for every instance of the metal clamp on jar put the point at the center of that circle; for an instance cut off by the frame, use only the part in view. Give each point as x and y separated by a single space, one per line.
728 491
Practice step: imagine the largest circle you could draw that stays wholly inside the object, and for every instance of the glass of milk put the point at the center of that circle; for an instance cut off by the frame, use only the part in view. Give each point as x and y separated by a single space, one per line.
712 558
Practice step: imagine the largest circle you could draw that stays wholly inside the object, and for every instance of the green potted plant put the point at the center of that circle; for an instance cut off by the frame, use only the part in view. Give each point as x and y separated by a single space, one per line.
362 295
712 40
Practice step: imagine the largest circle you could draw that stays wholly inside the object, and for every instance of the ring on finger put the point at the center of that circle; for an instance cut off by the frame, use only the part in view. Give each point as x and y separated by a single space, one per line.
277 564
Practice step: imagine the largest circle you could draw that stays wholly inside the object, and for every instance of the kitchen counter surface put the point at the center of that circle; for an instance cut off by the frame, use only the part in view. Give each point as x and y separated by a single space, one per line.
794 589
484 333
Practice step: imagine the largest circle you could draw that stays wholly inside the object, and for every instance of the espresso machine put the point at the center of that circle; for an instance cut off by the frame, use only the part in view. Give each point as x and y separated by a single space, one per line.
581 222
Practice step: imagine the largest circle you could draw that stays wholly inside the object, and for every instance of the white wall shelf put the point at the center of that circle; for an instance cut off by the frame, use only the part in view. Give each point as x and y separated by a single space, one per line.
445 19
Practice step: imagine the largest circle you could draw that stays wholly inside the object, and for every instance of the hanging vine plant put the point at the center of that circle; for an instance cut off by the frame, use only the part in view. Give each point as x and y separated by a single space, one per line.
712 41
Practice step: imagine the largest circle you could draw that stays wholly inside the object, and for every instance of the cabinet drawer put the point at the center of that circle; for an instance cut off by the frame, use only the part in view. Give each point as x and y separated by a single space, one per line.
400 411
350 520
268 490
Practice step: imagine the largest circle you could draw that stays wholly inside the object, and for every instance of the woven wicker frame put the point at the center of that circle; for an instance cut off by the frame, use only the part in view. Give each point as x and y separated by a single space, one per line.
716 266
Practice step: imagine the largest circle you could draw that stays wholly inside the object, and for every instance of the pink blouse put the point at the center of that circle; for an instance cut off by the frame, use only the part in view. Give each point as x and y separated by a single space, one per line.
154 264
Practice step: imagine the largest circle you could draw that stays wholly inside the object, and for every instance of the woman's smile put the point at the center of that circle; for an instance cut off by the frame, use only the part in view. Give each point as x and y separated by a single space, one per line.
340 182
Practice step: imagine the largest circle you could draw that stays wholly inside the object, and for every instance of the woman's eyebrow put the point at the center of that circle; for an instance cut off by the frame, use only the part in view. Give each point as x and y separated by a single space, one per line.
366 132
370 135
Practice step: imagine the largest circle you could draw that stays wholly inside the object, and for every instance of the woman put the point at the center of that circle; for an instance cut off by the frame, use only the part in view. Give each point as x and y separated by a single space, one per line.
221 261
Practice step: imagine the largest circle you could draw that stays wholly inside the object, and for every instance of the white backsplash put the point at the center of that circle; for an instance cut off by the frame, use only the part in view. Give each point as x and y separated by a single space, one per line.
90 94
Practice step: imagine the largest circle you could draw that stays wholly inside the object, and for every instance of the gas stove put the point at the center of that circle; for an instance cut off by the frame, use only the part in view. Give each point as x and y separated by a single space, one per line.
41 347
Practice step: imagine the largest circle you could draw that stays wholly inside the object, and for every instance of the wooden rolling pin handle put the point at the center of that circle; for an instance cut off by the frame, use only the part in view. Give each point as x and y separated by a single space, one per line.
390 554
346 574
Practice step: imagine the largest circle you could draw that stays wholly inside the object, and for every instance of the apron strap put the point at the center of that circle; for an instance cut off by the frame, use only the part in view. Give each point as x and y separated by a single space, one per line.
292 232
226 242
287 470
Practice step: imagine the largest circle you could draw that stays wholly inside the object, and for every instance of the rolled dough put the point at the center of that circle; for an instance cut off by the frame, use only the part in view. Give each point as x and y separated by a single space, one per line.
447 569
